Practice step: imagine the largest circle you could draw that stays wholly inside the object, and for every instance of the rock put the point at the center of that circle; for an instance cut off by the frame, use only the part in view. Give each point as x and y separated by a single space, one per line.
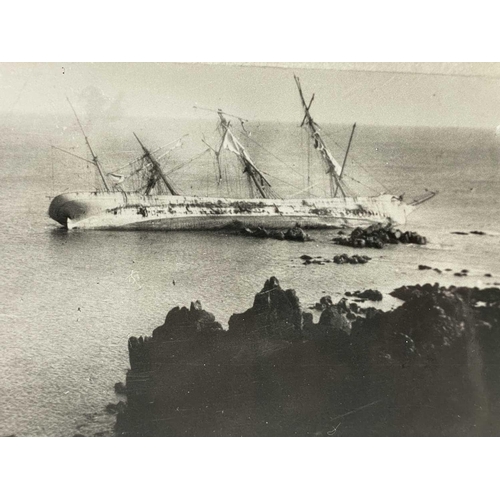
479 233
459 232
297 234
334 322
262 232
277 235
183 321
438 270
369 294
120 388
354 259
487 275
277 372
423 267
305 257
113 409
377 235
465 271
275 312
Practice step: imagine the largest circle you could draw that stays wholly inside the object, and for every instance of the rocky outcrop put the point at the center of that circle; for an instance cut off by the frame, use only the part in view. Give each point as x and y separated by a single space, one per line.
369 294
275 312
379 235
276 371
293 234
352 259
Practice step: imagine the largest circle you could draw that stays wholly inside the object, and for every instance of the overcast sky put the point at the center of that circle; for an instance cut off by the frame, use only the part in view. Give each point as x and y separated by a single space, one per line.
432 94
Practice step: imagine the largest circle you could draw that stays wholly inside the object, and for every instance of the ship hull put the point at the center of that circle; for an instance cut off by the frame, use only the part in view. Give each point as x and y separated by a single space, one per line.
132 211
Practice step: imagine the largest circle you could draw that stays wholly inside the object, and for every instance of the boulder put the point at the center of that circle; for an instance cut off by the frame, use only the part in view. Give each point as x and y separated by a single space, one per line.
297 234
378 235
120 388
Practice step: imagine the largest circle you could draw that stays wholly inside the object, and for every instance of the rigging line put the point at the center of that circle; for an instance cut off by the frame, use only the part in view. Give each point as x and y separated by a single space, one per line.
273 155
72 154
308 188
152 152
359 164
366 186
284 182
370 175
178 167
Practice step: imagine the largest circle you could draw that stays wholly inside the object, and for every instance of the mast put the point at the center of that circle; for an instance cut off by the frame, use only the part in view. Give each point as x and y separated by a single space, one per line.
157 170
95 161
346 154
332 166
230 142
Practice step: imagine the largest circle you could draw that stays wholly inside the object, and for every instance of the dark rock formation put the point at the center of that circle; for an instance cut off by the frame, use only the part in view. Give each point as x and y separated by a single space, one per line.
275 313
297 234
293 234
352 259
378 235
423 267
120 388
119 407
409 371
369 294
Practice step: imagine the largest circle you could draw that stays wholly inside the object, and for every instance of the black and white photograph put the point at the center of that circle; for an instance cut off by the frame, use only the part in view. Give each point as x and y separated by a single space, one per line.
250 249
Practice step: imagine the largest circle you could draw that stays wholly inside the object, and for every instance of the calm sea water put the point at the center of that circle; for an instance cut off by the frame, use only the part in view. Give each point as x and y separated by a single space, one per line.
69 301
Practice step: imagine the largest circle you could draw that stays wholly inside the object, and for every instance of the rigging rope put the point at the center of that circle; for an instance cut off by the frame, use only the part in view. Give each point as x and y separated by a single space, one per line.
287 183
178 167
274 156
358 164
366 186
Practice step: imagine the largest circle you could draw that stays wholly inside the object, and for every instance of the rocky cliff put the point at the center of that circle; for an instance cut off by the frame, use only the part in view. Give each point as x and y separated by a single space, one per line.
428 367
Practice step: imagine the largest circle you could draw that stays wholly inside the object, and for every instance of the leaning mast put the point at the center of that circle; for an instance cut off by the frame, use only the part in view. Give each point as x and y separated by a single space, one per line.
230 142
95 161
332 166
157 169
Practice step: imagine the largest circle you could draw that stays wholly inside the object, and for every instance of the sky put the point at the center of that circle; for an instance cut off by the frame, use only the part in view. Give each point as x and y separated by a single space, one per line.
398 94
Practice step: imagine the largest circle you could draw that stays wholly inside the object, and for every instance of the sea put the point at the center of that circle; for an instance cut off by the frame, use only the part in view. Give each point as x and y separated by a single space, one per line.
70 300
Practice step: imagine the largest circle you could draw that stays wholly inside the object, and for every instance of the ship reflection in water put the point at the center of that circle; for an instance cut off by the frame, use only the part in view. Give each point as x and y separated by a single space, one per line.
426 368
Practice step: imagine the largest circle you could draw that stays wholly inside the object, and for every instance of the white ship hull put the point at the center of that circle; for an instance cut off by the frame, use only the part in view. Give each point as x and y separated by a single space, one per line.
132 211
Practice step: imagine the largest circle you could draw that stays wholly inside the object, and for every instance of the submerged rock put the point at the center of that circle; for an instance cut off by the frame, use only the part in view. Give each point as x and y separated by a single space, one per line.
292 234
373 295
353 259
378 235
297 234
